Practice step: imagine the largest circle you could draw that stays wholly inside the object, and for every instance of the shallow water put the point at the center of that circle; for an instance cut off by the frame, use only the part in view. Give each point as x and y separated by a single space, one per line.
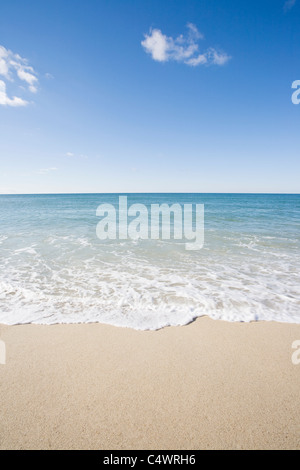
54 269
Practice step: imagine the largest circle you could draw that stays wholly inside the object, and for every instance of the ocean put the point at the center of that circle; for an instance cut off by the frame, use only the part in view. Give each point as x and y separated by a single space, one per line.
54 268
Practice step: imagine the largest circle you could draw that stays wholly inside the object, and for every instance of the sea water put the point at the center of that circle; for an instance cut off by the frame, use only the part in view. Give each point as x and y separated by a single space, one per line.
54 269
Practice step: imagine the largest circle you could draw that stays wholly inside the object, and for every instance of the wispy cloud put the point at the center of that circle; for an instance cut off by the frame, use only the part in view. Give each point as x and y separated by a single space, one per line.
49 76
289 5
12 67
184 48
75 155
6 101
44 171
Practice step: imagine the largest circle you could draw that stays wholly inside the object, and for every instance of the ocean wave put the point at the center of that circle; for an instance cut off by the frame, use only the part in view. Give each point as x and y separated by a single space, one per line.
145 292
57 271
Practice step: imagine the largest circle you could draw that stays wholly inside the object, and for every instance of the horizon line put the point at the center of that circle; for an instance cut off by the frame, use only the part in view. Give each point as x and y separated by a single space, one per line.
149 192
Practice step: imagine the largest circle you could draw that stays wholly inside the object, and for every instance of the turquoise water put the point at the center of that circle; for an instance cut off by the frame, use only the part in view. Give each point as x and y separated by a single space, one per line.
54 269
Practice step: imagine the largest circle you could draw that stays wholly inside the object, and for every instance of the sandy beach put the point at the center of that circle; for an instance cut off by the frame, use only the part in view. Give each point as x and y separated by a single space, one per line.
207 385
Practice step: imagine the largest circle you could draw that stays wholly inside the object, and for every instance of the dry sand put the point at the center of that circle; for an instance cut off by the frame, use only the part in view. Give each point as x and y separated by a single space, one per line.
208 385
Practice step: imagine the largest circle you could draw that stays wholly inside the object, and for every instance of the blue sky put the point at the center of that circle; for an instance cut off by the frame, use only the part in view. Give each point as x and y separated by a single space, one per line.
149 96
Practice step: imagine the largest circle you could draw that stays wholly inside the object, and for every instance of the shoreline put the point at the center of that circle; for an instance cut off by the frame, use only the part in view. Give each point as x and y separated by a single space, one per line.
210 384
128 327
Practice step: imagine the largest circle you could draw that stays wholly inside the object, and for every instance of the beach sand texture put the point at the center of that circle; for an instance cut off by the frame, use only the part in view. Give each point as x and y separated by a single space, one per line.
207 385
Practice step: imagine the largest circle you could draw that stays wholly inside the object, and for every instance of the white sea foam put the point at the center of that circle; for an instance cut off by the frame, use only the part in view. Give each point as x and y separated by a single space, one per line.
60 272
144 288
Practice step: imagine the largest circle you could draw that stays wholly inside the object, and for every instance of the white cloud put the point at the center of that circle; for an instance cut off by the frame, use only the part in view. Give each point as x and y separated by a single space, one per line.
74 155
289 4
44 171
218 58
199 60
6 101
4 68
157 45
28 77
181 49
12 67
193 31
